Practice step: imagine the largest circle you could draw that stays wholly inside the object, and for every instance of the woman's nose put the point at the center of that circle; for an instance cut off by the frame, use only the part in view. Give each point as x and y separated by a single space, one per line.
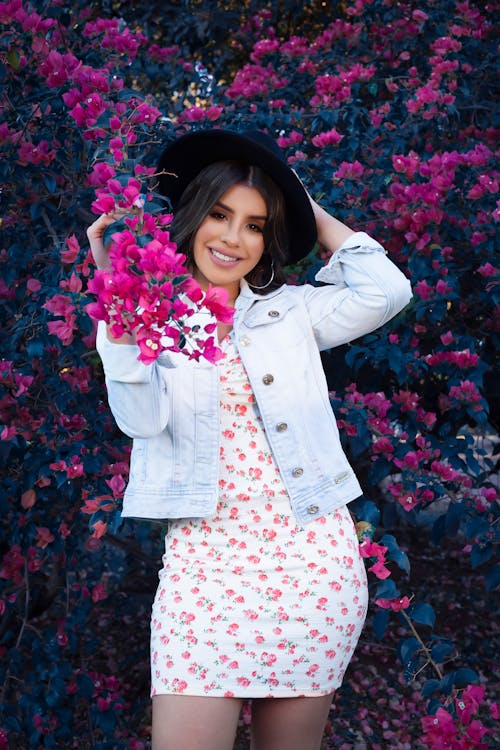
230 234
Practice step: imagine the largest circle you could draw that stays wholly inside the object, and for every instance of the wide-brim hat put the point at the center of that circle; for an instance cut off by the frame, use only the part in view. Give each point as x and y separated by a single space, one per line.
185 157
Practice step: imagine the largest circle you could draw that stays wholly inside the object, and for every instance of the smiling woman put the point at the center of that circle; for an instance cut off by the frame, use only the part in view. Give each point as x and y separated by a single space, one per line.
203 196
263 591
229 242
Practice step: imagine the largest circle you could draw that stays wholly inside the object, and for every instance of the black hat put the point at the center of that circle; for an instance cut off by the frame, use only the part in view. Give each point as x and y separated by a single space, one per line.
188 155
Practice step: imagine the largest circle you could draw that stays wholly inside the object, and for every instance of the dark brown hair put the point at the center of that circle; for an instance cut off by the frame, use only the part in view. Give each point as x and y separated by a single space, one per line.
205 190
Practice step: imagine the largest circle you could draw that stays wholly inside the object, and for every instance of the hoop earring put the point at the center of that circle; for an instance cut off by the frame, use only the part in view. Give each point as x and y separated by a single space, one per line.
268 283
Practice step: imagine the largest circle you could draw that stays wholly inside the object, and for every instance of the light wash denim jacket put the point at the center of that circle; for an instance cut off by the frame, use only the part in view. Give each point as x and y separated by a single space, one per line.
171 407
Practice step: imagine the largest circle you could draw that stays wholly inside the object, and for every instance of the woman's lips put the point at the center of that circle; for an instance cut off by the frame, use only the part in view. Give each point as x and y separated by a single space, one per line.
221 259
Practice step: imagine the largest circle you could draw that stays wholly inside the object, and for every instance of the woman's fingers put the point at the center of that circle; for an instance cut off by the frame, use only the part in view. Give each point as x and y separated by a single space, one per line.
95 233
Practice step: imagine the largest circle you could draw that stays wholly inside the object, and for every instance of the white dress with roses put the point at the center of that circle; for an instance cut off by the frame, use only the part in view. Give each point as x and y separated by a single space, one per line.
249 603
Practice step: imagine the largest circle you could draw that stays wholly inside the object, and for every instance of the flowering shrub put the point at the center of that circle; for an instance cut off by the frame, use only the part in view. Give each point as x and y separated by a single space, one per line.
386 111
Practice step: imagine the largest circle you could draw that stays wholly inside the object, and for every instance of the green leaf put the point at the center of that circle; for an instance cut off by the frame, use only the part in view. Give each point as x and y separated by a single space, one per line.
14 59
492 577
429 687
407 648
423 613
481 553
380 622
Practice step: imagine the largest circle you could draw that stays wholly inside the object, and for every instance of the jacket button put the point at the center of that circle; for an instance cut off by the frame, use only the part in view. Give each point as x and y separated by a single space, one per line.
268 379
312 509
282 426
273 314
297 472
244 341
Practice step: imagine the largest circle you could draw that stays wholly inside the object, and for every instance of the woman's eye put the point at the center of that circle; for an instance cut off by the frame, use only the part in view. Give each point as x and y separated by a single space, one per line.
255 228
217 215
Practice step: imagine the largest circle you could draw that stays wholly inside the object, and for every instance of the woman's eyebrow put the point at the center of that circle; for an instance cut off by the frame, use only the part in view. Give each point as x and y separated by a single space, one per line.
230 210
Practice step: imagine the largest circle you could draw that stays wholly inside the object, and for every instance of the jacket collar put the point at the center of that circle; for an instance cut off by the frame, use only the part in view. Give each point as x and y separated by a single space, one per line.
246 296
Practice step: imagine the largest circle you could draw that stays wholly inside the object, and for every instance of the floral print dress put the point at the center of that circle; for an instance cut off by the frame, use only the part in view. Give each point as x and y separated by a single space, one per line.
249 603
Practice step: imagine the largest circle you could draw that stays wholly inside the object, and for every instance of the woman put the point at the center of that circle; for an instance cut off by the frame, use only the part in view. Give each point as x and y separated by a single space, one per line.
263 592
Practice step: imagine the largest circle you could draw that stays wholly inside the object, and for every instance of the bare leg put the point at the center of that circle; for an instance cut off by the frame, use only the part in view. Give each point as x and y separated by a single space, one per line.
188 722
289 723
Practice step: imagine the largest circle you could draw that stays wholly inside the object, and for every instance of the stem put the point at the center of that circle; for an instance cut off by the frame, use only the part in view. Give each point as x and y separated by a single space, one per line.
24 624
429 658
52 231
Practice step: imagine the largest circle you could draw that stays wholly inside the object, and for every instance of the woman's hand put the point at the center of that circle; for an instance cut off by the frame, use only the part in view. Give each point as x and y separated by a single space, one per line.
331 232
95 234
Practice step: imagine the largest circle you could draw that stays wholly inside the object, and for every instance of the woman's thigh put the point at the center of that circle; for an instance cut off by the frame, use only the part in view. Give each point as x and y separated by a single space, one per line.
289 723
188 722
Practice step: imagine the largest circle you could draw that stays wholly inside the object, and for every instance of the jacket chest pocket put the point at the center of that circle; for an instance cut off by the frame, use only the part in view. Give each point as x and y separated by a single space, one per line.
276 324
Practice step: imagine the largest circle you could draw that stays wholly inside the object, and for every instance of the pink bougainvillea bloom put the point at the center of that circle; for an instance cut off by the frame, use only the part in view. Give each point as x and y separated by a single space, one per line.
440 728
63 329
101 173
148 342
43 537
75 468
380 570
8 433
30 153
442 287
216 300
99 528
373 549
264 47
395 604
211 351
99 592
28 499
104 203
444 470
408 501
466 391
197 114
383 445
475 732
349 170
423 289
116 484
33 285
328 138
487 270
407 399
73 284
467 704
71 254
447 338
56 68
292 139
495 711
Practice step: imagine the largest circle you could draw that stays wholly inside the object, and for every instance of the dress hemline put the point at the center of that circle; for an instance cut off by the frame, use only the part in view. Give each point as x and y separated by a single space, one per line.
244 696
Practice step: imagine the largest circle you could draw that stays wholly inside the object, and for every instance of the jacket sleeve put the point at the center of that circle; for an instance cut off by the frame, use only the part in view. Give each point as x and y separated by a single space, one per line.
138 394
365 290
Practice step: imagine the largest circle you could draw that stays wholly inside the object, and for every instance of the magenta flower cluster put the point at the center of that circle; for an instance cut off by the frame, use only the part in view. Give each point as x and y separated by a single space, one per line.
457 727
148 290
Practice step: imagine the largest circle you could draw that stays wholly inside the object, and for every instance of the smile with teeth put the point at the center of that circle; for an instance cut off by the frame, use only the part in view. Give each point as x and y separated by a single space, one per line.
221 256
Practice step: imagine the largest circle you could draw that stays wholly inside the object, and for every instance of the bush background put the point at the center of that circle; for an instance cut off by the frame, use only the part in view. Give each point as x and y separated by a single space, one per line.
387 112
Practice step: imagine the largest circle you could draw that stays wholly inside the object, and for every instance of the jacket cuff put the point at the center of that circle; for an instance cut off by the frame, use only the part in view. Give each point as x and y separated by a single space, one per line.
120 360
359 242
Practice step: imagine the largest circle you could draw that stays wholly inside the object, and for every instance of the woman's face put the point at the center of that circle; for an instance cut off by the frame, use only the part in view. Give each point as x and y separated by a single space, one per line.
229 241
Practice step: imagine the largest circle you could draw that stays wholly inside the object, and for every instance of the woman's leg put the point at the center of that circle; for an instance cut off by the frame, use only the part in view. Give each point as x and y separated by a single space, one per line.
189 722
289 723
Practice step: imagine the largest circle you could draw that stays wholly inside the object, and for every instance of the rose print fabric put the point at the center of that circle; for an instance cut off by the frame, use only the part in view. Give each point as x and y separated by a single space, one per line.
250 604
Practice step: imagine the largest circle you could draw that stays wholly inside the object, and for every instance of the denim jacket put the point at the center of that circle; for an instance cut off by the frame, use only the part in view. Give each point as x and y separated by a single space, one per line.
171 407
